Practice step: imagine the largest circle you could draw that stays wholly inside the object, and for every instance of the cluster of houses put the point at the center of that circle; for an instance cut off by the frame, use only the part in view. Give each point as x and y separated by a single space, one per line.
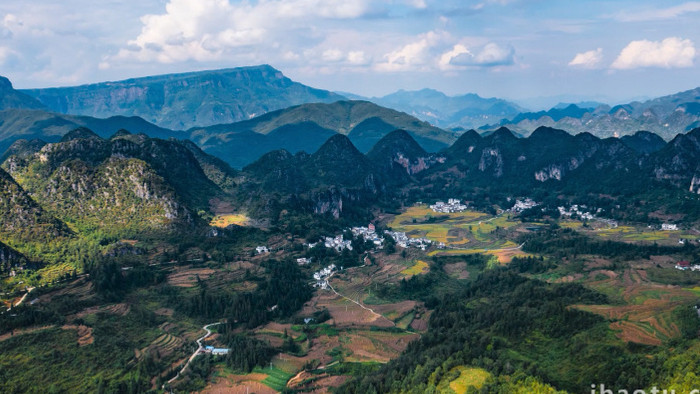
304 260
582 212
521 205
368 233
669 227
452 205
337 243
215 351
579 211
404 241
685 265
321 277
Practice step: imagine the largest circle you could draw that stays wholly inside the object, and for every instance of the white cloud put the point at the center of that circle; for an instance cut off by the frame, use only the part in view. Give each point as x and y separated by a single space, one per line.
414 56
590 59
333 55
658 14
672 52
207 30
457 50
420 4
489 55
6 54
357 58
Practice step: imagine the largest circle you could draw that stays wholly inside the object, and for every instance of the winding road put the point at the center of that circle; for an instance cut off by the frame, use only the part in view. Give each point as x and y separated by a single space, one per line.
195 354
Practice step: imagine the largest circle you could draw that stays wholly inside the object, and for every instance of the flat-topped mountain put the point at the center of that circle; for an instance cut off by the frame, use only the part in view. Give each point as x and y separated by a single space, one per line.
181 101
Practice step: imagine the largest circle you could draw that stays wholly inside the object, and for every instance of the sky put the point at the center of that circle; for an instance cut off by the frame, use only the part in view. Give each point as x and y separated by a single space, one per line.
557 50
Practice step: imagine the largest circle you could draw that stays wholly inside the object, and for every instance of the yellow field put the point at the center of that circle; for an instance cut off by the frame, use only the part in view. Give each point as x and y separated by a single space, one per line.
475 377
568 224
227 220
418 268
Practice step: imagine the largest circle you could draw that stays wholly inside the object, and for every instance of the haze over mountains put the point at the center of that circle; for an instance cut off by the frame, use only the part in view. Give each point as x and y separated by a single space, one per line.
466 111
665 116
240 114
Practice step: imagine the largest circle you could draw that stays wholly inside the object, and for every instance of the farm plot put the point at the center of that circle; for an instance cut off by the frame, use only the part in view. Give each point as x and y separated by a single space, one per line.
463 232
84 334
188 277
374 346
647 316
228 382
420 267
223 221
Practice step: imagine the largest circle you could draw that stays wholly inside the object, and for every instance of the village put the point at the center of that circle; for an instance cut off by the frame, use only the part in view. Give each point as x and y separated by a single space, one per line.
453 205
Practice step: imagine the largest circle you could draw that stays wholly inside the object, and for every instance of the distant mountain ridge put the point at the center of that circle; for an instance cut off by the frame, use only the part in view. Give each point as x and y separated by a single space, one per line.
468 110
666 116
182 101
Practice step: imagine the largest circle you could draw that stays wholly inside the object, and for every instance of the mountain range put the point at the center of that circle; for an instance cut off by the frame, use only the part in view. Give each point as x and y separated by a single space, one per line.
239 137
665 116
182 101
306 127
467 111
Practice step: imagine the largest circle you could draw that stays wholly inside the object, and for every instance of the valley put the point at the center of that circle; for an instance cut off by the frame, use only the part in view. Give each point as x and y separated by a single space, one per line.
310 248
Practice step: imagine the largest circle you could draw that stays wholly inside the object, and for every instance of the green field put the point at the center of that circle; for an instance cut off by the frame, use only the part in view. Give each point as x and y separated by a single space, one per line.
276 378
468 377
418 268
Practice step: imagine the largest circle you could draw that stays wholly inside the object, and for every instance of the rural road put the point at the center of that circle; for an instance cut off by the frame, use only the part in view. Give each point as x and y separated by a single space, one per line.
24 297
196 352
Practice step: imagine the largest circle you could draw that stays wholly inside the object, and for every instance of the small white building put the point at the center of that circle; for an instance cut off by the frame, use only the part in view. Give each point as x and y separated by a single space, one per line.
262 249
669 227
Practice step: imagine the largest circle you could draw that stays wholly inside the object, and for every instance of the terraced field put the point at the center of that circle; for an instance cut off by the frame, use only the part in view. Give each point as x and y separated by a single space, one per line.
647 315
167 342
276 378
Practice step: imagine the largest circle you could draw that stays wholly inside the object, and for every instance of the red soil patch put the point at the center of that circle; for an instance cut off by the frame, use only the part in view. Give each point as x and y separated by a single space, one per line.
569 278
608 273
238 384
81 288
120 309
457 270
9 335
325 384
164 312
188 277
84 334
629 332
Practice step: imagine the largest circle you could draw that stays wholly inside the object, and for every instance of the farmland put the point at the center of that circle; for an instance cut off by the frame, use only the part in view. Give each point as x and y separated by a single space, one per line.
463 232
227 220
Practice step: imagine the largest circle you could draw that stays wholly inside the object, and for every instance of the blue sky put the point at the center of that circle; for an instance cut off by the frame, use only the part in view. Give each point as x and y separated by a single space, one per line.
606 50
